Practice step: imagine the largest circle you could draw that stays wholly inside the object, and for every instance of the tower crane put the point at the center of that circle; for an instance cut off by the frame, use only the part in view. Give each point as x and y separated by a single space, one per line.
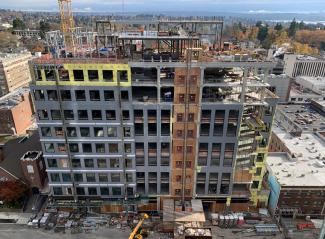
67 24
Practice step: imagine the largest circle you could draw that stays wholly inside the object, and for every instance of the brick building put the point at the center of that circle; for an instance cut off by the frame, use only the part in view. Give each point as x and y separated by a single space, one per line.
16 112
21 159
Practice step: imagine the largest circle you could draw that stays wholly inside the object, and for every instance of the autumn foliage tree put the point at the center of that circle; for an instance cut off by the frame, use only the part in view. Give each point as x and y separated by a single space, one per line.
11 190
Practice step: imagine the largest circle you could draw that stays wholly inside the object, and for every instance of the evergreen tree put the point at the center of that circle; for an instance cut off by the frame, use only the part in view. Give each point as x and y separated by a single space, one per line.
18 24
278 27
293 28
262 32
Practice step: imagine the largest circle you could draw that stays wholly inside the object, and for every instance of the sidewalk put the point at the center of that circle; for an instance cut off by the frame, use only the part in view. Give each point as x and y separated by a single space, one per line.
22 218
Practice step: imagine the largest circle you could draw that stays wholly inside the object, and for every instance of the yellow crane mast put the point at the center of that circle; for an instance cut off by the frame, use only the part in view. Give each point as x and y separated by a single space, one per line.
67 24
134 234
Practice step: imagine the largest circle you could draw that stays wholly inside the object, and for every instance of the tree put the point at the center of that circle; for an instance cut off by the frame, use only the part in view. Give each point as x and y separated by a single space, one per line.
282 37
18 24
44 27
294 26
11 190
8 41
278 27
262 32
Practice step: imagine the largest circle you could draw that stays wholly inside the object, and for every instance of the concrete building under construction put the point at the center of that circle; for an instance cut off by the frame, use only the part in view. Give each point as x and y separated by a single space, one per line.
152 113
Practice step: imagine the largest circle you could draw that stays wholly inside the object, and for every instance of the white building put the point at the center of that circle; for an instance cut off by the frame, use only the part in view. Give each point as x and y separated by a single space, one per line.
298 65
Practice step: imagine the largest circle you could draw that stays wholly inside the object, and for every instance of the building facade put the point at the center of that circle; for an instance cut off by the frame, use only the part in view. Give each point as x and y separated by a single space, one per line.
296 65
120 130
16 112
14 71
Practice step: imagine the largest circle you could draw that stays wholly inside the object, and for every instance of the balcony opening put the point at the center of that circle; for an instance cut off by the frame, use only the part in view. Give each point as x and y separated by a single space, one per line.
50 75
144 94
71 132
202 161
100 148
152 129
221 94
144 75
122 76
152 188
108 75
39 95
84 132
96 114
114 163
164 188
126 115
78 75
38 75
206 116
109 95
110 115
139 160
93 75
43 114
165 151
167 94
164 161
203 149
152 116
63 74
141 188
165 116
52 95
205 129
167 75
56 114
138 129
65 95
219 116
164 177
68 114
94 95
82 114
138 116
165 129
124 95
214 75
99 132
213 188
80 95
201 178
200 188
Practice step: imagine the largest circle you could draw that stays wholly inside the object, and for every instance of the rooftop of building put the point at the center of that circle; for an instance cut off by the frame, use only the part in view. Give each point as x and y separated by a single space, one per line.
297 90
308 58
14 98
313 80
14 148
298 172
305 116
4 57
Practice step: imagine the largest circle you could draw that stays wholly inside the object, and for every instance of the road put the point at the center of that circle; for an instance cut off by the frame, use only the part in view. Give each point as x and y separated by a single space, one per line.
9 231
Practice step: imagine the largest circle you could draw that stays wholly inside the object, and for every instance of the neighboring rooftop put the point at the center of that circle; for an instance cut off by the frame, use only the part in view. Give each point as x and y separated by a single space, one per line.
299 172
308 58
308 146
14 98
12 56
14 149
305 116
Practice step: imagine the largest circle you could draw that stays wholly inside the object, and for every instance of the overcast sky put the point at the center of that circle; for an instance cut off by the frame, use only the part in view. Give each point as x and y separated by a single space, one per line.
173 5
